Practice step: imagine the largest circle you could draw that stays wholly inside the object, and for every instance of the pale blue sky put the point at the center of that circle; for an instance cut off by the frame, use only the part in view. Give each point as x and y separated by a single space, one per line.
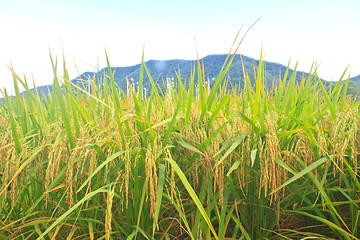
305 31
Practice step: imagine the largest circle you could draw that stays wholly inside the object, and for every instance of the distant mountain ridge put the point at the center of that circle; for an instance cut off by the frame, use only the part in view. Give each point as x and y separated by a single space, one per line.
162 69
356 80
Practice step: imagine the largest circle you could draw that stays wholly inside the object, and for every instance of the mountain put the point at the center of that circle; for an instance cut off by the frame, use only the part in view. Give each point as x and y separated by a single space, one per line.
356 80
43 91
160 70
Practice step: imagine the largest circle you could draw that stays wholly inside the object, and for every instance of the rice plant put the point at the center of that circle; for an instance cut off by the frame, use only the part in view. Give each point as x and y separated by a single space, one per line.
192 163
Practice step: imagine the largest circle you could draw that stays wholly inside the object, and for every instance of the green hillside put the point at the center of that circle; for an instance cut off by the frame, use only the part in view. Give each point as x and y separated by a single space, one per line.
162 69
356 80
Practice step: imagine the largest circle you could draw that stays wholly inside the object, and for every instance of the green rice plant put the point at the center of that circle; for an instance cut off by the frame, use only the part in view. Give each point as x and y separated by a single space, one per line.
269 161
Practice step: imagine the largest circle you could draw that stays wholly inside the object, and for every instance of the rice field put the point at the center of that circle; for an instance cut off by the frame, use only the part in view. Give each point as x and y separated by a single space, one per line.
190 163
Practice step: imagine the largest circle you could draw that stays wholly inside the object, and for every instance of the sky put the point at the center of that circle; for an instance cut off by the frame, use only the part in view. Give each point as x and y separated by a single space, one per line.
308 31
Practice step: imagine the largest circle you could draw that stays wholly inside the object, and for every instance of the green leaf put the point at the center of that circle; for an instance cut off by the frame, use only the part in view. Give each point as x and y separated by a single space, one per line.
160 188
192 194
23 165
73 208
233 167
346 234
111 158
302 173
253 156
13 124
190 147
236 143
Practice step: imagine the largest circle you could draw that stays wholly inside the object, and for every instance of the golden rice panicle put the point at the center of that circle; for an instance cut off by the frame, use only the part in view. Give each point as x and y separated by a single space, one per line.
197 134
303 148
5 148
179 201
194 114
342 141
247 128
151 174
108 216
218 169
245 156
339 139
168 107
321 138
219 182
92 165
6 176
69 180
10 181
55 155
355 142
15 164
353 134
120 179
127 173
260 146
272 152
171 179
345 136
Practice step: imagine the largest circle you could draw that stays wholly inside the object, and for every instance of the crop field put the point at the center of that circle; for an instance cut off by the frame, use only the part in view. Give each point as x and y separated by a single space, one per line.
189 163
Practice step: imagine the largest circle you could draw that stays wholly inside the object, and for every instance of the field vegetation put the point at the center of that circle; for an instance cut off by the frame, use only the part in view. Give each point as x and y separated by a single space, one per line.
189 163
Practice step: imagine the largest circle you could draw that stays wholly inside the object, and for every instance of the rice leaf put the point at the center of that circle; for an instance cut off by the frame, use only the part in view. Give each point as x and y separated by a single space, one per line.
159 194
73 208
190 147
236 143
303 172
193 195
108 160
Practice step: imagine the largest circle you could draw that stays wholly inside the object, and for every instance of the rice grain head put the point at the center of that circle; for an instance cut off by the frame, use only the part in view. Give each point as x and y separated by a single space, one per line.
272 152
303 148
151 174
108 217
69 180
127 174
